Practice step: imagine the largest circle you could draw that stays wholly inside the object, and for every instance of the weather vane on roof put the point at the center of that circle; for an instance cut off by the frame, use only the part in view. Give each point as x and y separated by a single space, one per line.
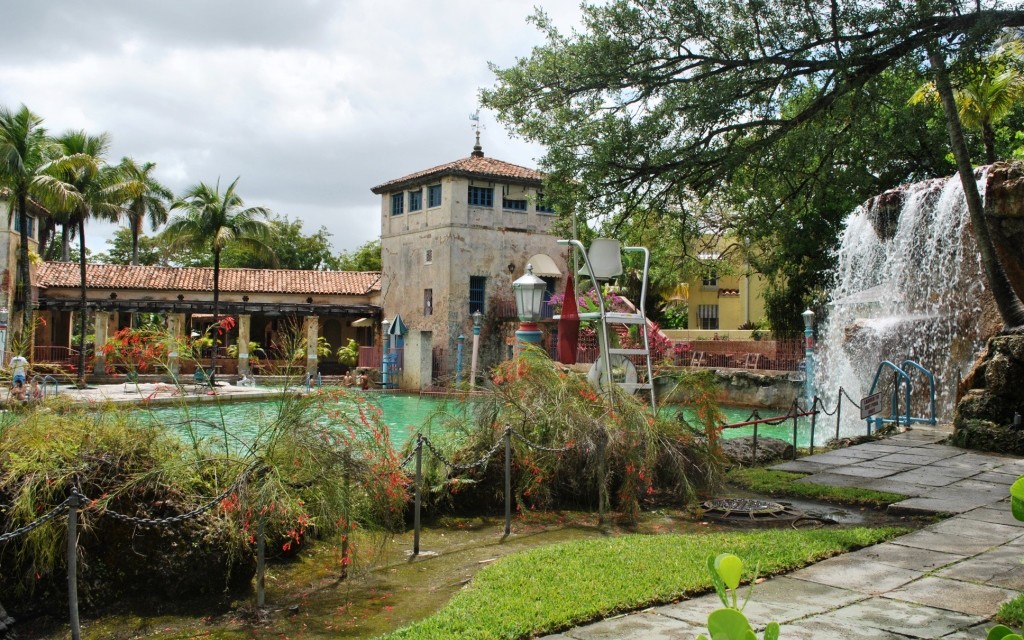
477 127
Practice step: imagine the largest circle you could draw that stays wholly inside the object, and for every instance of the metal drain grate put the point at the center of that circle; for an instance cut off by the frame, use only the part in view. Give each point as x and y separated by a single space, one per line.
749 508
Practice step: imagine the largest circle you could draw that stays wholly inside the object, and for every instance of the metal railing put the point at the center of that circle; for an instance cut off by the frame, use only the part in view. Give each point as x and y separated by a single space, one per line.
722 354
765 355
54 353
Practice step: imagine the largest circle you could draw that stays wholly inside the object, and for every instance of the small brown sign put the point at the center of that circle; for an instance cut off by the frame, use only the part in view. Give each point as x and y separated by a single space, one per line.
870 405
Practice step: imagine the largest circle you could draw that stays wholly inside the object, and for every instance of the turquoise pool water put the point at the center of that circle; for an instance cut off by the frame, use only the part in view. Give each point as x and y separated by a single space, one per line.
405 415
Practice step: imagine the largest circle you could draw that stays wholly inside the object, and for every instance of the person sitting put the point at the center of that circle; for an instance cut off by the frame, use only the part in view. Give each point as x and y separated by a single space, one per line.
348 380
35 392
364 381
19 393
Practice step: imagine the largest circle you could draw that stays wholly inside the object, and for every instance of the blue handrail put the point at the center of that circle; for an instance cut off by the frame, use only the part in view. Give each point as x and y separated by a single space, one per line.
905 379
910 364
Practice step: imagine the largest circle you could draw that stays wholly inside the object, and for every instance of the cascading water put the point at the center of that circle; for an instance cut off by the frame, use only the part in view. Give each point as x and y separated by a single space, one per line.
908 285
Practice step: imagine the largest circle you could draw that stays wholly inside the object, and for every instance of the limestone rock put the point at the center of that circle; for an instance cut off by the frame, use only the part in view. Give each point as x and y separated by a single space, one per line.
991 395
6 624
1004 209
741 450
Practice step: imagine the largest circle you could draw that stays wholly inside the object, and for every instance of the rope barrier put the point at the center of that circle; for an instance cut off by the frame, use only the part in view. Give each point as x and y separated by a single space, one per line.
35 524
534 445
843 392
161 522
154 522
409 457
452 466
821 403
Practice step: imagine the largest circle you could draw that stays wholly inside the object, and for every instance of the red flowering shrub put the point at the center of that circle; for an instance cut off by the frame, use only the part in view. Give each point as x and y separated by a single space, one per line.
136 349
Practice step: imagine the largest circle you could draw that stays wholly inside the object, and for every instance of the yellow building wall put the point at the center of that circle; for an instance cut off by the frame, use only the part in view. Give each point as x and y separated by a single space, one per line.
738 296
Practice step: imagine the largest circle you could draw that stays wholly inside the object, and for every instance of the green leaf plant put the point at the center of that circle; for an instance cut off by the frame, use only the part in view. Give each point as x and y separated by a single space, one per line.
1017 499
1002 632
729 622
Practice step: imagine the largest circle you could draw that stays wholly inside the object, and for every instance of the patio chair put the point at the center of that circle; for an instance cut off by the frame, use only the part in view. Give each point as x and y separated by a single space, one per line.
700 359
200 379
131 378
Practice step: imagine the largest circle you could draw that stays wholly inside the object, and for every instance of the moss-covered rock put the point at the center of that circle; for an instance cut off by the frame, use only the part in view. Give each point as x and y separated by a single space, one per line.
988 436
991 396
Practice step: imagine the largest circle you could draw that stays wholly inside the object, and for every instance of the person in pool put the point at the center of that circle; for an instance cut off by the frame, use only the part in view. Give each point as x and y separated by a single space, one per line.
19 393
35 392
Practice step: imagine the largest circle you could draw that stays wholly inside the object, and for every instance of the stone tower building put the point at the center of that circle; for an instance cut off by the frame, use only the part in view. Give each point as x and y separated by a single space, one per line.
453 239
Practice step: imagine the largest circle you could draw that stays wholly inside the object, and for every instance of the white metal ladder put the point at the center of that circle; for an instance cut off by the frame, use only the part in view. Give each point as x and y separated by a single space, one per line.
603 367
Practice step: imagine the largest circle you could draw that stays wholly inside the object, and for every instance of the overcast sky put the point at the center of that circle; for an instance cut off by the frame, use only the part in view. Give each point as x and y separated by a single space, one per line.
311 102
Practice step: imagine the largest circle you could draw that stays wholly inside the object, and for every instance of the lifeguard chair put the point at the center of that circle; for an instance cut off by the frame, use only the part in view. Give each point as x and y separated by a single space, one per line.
602 263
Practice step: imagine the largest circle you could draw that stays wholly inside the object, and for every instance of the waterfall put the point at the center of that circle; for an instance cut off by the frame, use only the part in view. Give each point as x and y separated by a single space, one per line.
908 284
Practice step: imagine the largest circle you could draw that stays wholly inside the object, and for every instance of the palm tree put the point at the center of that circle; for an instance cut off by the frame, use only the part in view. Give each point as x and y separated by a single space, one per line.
82 166
1010 305
988 92
213 220
144 197
25 152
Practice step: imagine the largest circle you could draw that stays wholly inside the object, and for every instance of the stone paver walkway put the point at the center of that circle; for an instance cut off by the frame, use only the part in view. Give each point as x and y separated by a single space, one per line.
944 581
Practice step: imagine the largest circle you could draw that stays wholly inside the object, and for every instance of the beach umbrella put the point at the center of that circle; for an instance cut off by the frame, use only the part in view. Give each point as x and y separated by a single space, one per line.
569 325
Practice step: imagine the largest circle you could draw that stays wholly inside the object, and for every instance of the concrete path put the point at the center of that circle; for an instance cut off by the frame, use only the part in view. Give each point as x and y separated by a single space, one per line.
944 581
159 393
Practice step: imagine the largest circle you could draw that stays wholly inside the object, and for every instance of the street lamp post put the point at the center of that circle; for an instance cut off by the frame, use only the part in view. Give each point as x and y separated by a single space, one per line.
477 320
529 291
808 317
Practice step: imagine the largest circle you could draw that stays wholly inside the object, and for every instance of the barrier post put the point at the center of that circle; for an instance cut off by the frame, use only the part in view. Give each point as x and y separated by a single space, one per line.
814 415
508 480
795 413
602 436
416 501
839 411
74 502
261 564
756 417
346 488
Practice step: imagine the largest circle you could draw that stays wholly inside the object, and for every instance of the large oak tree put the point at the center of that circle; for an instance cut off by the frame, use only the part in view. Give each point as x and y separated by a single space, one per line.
655 99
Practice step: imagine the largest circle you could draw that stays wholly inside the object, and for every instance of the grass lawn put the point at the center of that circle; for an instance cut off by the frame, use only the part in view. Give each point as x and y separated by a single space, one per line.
552 588
1012 612
781 483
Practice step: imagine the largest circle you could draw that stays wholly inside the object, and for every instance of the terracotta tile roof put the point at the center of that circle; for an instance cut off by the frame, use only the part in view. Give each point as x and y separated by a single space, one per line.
118 276
472 167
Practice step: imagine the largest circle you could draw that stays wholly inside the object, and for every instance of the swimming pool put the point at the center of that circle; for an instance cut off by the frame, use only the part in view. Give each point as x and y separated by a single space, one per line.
407 414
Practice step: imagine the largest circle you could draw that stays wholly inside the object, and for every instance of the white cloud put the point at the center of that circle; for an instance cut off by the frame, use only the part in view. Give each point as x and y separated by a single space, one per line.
312 103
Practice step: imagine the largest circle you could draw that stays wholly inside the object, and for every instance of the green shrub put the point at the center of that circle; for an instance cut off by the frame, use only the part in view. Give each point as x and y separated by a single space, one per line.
639 456
314 467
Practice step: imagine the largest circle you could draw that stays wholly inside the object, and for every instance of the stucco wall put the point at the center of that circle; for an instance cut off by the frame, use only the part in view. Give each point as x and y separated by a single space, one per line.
464 241
745 389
